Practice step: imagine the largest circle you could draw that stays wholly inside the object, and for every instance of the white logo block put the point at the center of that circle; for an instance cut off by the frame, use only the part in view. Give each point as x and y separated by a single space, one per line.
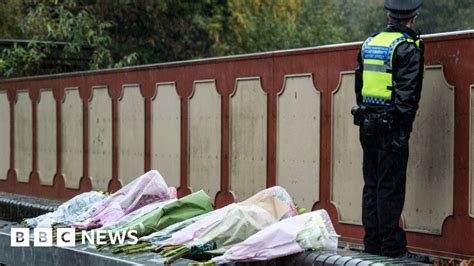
43 237
66 237
19 237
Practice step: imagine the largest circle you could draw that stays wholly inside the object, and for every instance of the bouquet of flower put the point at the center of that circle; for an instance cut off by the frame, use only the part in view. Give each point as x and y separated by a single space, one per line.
130 218
177 234
75 210
136 215
309 231
146 243
239 222
148 188
194 230
160 216
275 200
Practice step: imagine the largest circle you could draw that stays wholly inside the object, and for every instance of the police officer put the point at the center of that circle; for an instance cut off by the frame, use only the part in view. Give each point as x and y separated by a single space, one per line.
388 85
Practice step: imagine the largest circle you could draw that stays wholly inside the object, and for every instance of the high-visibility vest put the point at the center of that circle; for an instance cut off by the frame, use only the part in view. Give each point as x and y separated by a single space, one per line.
377 54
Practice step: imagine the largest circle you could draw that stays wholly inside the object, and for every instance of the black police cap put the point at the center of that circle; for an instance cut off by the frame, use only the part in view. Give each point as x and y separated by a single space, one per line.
402 9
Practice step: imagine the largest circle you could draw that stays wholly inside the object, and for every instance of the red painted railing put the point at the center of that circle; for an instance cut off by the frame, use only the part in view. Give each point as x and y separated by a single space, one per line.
454 51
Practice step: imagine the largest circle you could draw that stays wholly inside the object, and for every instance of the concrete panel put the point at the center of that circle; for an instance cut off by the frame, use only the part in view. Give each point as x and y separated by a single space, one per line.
100 138
23 136
46 128
471 155
429 192
131 134
346 175
298 139
4 135
166 133
248 133
72 138
205 138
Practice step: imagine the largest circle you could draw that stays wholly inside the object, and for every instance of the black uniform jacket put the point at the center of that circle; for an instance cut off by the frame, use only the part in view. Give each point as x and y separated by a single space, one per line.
408 67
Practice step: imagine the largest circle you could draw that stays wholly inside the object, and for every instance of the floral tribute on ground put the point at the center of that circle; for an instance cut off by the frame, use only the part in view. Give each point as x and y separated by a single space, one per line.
265 226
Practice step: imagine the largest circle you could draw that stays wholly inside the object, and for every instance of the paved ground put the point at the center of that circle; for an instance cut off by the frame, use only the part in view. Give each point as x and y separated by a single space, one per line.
79 255
14 207
88 255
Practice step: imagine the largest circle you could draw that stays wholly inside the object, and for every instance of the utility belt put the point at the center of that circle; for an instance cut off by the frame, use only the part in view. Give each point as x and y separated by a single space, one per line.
375 120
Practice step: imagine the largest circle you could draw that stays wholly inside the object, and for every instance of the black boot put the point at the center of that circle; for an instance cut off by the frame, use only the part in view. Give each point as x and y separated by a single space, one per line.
414 257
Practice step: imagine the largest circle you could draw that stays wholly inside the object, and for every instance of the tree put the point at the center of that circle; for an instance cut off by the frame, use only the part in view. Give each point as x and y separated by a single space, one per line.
360 19
259 25
158 31
124 32
10 13
320 22
446 15
59 32
367 17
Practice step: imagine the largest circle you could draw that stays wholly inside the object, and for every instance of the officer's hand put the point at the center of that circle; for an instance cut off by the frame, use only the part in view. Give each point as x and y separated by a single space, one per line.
400 141
357 113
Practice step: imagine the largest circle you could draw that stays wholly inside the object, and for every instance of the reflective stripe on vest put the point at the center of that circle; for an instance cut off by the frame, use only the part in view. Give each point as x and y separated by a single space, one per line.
377 54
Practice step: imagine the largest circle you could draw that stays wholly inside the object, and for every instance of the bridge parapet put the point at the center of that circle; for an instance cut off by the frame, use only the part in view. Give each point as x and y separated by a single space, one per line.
233 125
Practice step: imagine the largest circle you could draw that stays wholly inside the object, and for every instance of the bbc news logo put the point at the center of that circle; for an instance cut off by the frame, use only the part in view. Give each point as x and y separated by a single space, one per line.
66 237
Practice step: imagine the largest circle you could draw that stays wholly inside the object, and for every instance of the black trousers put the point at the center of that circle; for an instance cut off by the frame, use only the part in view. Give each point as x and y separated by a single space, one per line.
384 168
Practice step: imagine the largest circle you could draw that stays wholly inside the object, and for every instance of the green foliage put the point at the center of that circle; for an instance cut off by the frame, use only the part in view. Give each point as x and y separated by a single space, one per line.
10 14
244 26
93 34
361 20
57 22
21 61
63 33
260 25
157 31
446 15
435 16
257 26
320 23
